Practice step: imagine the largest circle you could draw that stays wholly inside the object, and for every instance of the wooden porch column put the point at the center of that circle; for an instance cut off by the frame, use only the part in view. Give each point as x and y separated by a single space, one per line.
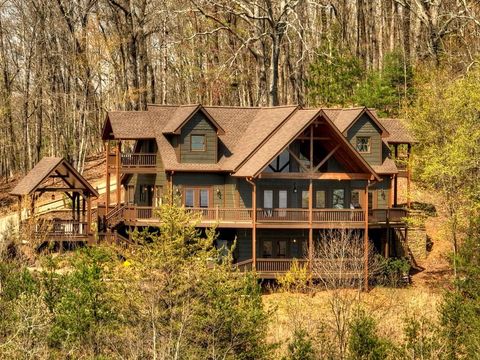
89 220
310 225
107 184
254 225
409 150
117 172
390 195
365 239
395 180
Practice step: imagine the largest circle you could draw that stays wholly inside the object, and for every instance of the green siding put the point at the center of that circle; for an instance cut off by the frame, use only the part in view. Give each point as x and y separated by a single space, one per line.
199 125
155 179
244 245
364 126
244 193
382 197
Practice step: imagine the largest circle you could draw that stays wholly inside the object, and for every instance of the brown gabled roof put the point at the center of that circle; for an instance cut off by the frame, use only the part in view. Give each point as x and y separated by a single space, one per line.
49 166
262 126
388 167
184 113
244 131
135 124
289 130
399 134
345 118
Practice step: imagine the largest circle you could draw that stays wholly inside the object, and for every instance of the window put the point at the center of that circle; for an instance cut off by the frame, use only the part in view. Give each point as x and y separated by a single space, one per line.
320 199
268 199
355 199
189 198
282 248
304 199
204 198
197 143
338 199
267 249
282 202
363 144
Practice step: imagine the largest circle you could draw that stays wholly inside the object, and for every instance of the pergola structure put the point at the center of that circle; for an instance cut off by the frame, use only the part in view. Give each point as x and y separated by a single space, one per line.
56 175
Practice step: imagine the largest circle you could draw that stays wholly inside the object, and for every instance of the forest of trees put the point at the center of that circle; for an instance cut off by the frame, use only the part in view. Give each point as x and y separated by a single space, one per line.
65 63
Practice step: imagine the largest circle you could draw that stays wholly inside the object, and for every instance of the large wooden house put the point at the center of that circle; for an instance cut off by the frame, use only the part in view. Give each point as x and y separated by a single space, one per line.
273 178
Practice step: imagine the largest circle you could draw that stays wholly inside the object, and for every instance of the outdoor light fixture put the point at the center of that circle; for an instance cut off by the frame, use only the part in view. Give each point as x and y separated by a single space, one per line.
219 193
177 190
294 187
382 193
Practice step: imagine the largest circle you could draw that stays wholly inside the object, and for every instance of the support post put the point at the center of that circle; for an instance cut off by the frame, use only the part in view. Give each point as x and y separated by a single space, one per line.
89 220
310 226
409 150
387 242
365 240
254 226
254 222
117 172
107 184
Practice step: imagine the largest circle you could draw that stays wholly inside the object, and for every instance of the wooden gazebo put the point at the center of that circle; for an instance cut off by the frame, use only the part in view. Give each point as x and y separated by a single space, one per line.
56 175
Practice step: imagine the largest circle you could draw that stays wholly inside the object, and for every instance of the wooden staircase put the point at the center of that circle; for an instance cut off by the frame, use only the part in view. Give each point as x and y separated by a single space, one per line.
115 217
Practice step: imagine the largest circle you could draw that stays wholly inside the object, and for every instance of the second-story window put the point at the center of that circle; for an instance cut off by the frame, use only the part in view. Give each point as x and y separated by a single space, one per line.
197 143
363 144
204 195
189 197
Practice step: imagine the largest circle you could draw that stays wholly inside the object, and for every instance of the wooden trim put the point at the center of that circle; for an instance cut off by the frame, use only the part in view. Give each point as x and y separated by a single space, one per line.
316 176
310 223
117 173
296 159
329 155
365 240
107 185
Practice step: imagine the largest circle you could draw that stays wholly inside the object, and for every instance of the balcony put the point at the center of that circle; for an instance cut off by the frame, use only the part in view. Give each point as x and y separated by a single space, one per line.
266 218
134 162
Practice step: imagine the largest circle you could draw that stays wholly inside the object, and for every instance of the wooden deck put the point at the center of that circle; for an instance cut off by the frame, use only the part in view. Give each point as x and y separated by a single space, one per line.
134 162
273 268
266 218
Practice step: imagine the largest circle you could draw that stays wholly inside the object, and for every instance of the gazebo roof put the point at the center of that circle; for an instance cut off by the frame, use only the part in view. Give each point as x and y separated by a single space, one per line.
52 167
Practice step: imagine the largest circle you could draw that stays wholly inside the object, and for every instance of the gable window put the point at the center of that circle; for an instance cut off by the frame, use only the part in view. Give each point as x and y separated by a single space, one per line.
197 143
338 198
363 144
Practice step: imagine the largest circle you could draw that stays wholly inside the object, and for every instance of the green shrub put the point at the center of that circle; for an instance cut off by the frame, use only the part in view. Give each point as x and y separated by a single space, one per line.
394 272
364 343
300 347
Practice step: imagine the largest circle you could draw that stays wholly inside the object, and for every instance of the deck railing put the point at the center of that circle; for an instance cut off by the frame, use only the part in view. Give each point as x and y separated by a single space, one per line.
283 215
319 216
62 228
338 215
278 265
134 160
392 214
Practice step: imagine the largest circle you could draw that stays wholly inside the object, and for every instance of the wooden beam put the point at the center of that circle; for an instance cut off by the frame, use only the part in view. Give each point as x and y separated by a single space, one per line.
310 227
311 148
329 155
107 185
297 160
60 189
118 151
316 176
365 240
254 222
409 150
324 138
